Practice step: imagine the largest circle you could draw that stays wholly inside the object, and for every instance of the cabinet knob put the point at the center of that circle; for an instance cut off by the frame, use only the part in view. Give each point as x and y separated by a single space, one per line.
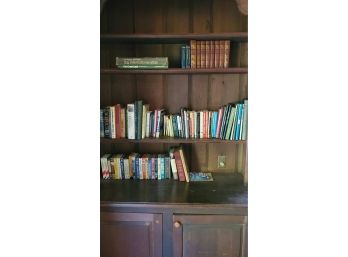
177 224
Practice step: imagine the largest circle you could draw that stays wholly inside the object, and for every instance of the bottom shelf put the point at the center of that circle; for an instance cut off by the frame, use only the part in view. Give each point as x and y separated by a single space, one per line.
227 188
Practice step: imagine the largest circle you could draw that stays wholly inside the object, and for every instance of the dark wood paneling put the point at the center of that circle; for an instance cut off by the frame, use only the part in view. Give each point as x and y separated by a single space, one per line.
227 150
130 235
123 89
224 89
176 93
150 90
201 16
120 16
226 17
105 90
208 235
148 16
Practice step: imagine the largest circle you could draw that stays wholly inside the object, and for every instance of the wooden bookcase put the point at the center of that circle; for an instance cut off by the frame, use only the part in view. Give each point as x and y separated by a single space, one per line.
142 28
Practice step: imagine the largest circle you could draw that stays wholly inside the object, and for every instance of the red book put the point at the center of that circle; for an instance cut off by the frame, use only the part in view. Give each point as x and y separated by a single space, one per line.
219 122
193 53
179 165
207 54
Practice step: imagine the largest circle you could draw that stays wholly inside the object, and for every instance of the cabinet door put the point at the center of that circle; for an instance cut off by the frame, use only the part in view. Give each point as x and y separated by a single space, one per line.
130 235
209 235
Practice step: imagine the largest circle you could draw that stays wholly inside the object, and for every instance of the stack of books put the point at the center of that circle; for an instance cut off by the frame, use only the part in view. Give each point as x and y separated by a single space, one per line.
146 166
206 54
142 63
137 121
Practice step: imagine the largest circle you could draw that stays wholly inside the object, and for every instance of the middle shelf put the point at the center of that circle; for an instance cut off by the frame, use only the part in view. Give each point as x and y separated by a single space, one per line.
236 70
169 140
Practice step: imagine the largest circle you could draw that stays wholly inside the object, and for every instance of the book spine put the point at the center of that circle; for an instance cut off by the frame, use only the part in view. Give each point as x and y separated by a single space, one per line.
188 57
112 121
184 165
123 174
207 53
159 172
219 120
216 53
183 56
237 122
212 54
123 123
163 172
193 53
150 61
137 169
153 167
149 167
179 166
226 53
126 168
118 120
144 167
198 54
245 120
203 50
241 122
107 123
222 53
167 167
173 169
230 123
112 168
130 121
139 119
143 67
101 123
201 121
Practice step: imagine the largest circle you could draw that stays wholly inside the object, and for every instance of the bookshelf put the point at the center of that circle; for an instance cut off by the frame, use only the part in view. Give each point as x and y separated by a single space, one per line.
158 28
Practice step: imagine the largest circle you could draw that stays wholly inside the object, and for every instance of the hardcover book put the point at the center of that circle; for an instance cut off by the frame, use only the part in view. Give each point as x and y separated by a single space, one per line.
201 176
193 53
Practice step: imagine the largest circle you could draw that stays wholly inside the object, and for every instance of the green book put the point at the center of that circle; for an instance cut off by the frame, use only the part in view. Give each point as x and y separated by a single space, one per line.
230 122
144 62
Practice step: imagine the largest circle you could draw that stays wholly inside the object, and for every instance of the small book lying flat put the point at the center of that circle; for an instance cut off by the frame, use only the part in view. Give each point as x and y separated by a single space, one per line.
201 176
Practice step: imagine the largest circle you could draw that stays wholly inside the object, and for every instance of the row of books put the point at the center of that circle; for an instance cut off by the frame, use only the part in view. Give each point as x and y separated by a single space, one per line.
205 54
146 166
137 121
142 63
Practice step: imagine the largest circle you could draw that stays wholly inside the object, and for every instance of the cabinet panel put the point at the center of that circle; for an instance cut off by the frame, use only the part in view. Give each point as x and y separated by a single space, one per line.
209 235
130 235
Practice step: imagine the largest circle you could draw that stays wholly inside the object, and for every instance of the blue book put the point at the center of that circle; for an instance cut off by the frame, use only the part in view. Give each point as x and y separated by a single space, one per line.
183 57
216 122
238 121
137 174
122 166
101 122
188 57
149 166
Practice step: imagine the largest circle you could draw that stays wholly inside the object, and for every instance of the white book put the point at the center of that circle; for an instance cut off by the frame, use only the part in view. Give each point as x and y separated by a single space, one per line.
112 121
147 133
241 123
141 168
195 124
234 122
130 121
187 127
245 120
126 168
179 125
200 124
104 165
174 170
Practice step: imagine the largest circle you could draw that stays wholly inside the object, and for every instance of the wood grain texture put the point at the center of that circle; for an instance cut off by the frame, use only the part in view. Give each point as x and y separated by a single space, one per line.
130 234
123 89
201 16
226 10
150 90
208 235
227 150
223 89
148 16
120 17
176 93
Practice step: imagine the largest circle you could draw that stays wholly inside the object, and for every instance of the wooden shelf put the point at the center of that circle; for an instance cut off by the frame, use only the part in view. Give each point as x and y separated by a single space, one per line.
169 140
227 188
172 38
237 70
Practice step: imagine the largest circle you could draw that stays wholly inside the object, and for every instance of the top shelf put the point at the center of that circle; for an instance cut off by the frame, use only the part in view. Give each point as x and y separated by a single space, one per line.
172 38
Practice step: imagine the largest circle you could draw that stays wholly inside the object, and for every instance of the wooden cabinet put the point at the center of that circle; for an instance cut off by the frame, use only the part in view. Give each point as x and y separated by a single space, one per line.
209 235
130 235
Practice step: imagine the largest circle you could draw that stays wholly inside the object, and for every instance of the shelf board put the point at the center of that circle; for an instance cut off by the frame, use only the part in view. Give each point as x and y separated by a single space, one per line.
172 38
169 140
227 188
237 70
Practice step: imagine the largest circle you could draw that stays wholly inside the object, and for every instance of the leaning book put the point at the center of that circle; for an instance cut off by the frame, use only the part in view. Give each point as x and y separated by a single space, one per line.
200 176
